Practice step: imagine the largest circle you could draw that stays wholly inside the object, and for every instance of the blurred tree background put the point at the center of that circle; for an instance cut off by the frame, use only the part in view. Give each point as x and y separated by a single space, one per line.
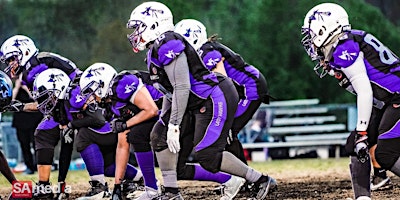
265 32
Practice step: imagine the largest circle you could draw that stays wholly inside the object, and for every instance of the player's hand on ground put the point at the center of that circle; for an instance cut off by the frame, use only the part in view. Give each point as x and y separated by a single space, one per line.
173 138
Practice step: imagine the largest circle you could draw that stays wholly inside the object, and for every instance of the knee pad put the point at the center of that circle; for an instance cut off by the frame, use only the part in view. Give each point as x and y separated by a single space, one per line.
210 159
385 159
139 144
45 156
185 172
141 147
158 137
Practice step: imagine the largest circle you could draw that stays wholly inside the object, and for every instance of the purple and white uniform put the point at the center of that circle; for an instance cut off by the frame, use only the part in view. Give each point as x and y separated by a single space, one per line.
374 73
250 83
174 64
38 64
236 68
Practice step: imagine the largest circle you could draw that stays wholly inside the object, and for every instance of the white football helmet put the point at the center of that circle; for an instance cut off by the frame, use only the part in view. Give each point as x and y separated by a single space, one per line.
149 20
193 31
18 48
96 79
49 87
321 24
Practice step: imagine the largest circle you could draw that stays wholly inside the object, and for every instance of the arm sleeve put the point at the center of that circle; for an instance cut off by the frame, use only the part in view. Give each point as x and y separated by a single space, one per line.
178 75
140 85
359 79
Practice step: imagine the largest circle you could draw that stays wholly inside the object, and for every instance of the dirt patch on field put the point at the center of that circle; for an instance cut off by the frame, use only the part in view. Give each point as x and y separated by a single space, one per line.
332 185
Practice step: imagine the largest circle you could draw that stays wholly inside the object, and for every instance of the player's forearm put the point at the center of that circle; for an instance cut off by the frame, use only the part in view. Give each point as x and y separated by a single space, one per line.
31 107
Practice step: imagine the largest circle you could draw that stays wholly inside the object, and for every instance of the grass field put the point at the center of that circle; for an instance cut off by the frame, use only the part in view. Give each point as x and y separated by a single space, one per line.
276 168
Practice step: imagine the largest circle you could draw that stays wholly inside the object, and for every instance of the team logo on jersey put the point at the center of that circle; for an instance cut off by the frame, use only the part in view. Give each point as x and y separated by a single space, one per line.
213 62
130 88
318 15
347 56
171 54
78 98
152 12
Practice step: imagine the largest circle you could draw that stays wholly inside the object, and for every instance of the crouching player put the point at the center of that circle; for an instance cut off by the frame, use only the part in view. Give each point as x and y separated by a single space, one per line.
98 146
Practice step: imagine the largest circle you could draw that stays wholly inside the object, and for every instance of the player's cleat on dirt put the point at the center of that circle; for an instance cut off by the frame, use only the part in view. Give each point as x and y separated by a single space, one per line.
61 194
263 186
232 187
363 198
96 192
247 187
379 183
41 192
148 194
129 187
169 196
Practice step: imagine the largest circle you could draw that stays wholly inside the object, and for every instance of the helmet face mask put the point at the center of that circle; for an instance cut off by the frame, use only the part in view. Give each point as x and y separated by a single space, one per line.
47 100
149 20
135 37
13 66
49 89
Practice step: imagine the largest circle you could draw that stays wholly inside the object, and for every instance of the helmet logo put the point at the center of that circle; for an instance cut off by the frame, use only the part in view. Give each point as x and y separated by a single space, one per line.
18 42
54 78
94 72
187 34
189 30
152 12
317 15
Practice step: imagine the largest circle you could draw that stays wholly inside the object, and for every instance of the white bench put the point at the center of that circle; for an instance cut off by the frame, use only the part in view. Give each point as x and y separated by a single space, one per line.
287 130
305 124
302 120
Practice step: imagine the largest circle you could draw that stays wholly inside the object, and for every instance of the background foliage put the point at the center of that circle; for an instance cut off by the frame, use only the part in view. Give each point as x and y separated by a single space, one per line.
266 33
